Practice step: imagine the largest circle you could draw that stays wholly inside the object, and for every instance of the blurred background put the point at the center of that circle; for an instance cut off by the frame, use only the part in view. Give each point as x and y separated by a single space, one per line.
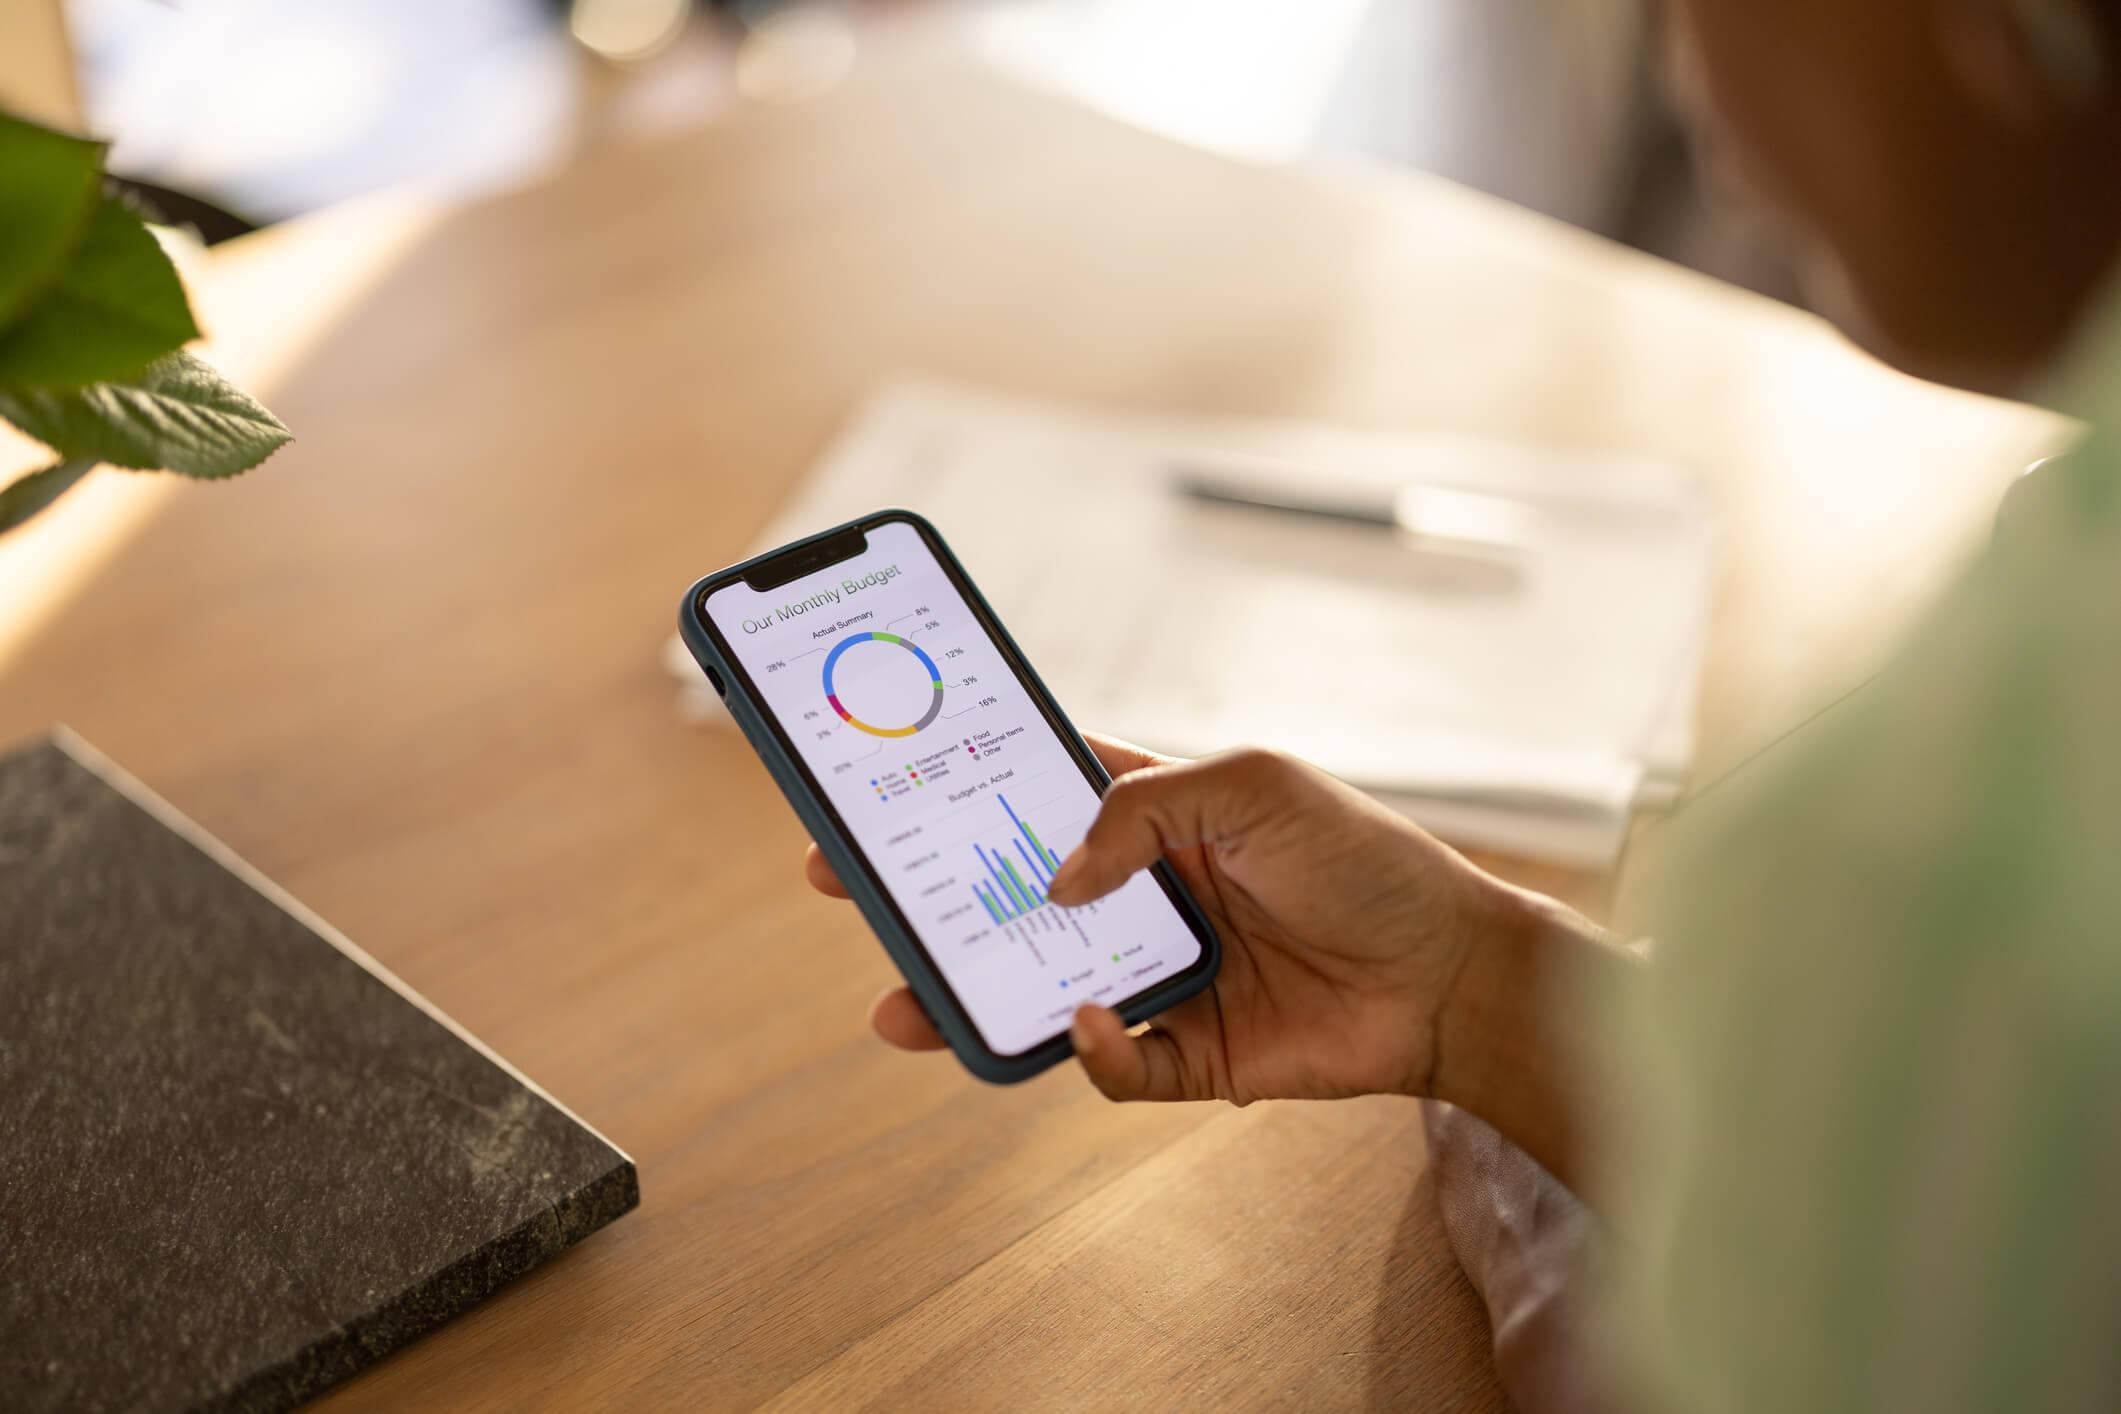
244 112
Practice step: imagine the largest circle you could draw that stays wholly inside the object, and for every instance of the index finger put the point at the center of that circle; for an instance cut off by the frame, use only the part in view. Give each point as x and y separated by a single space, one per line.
1119 758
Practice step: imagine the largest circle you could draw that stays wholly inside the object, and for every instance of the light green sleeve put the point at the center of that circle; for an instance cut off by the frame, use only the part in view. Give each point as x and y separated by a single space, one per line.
1886 1031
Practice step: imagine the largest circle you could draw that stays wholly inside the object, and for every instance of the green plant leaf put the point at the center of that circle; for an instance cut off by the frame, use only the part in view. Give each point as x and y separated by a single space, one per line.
180 415
112 309
47 190
32 493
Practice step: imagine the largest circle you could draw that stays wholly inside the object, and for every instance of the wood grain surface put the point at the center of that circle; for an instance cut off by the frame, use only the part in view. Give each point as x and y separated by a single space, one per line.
410 670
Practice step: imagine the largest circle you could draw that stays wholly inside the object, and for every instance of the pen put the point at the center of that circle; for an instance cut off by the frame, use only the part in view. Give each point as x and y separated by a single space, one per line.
1441 519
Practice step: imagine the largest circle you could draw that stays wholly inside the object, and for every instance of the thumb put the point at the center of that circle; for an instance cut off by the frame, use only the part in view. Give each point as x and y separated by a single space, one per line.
1150 813
1144 1067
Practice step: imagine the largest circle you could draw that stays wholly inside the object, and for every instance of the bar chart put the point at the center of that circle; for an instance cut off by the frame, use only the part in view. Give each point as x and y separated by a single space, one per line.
1007 893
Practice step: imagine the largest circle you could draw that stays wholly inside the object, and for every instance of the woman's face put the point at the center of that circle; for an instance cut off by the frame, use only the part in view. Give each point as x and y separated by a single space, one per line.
1954 240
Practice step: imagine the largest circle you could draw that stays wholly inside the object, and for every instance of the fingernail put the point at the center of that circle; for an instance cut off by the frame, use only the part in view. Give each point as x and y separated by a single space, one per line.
1079 1033
1066 878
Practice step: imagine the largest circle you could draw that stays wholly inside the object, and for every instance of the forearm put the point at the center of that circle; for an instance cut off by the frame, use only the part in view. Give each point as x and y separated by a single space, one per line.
1522 1038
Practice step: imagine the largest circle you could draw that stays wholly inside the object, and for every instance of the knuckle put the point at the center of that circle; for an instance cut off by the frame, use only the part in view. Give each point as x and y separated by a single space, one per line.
1123 790
1127 797
1261 764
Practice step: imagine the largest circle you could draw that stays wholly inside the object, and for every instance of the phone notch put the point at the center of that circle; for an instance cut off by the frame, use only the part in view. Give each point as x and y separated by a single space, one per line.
809 558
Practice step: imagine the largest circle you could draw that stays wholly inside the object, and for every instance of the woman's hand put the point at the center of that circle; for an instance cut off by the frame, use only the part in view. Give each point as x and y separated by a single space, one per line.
1345 930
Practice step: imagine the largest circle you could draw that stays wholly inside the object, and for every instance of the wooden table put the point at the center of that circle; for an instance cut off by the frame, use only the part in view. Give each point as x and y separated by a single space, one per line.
410 669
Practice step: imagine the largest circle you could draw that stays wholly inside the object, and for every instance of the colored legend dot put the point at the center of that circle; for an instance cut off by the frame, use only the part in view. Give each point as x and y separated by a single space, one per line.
1064 981
1115 957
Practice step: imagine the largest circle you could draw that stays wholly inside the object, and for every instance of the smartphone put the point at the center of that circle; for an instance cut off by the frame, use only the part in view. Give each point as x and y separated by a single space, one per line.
943 784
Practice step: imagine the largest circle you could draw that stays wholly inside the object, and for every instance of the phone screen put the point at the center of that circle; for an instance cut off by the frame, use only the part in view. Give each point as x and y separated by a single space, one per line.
952 780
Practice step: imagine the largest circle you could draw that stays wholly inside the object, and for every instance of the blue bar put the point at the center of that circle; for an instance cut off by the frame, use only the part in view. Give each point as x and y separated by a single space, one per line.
1039 852
987 903
1001 889
1016 822
1031 862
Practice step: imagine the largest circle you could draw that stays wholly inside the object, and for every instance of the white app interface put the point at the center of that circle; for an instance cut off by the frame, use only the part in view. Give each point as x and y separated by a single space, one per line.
946 774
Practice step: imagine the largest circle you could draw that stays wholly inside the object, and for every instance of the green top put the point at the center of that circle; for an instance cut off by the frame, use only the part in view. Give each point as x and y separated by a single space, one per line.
1888 1009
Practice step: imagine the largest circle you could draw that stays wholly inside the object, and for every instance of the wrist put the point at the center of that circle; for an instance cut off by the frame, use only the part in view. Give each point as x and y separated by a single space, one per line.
1504 932
1518 1033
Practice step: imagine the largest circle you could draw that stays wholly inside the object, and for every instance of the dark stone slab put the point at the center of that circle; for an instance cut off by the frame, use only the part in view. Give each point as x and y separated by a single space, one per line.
237 1162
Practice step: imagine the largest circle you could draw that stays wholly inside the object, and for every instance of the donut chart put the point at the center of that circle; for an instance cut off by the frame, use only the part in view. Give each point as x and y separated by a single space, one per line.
935 703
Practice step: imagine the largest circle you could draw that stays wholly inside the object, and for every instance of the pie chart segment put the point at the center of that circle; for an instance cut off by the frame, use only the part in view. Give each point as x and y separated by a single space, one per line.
882 684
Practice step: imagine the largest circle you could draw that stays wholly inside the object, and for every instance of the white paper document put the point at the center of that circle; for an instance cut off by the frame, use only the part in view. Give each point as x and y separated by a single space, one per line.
1523 691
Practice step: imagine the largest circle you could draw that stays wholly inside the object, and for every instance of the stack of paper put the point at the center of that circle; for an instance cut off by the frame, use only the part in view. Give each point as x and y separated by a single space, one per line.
1523 695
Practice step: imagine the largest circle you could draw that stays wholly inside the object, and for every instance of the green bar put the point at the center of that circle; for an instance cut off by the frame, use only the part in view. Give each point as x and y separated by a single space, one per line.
1010 869
1043 852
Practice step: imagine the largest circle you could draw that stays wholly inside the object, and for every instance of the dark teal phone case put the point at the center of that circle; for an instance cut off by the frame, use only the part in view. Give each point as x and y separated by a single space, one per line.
852 866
